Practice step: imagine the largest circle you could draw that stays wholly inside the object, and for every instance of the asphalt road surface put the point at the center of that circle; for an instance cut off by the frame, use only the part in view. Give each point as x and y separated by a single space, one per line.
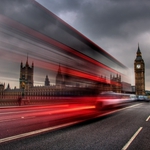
124 128
18 120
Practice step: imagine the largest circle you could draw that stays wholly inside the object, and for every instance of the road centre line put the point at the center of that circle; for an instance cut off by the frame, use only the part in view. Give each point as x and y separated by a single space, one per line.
132 138
131 106
148 118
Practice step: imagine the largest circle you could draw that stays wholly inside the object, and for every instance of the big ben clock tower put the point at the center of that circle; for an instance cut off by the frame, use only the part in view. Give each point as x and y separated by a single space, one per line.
139 70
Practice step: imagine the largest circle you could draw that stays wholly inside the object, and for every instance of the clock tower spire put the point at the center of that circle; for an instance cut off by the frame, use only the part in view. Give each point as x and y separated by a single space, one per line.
139 70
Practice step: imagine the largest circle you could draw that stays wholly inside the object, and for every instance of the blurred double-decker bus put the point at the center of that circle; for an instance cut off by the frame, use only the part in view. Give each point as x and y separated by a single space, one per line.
78 65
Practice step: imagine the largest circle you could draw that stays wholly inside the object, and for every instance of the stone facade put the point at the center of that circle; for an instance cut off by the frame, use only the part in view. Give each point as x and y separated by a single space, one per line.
66 86
139 70
26 75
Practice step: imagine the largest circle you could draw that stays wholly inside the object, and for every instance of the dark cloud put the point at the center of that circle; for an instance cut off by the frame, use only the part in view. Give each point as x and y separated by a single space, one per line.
99 19
116 26
58 6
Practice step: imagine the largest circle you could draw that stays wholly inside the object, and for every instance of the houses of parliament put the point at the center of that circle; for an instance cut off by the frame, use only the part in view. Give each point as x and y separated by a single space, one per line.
66 85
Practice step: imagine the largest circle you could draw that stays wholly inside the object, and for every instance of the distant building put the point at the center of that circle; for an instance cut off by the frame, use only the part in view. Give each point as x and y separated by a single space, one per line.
47 82
147 92
26 75
126 87
133 89
66 85
139 70
59 78
115 83
2 87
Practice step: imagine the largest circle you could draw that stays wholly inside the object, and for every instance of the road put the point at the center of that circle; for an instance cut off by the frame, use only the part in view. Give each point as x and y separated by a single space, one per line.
124 128
18 120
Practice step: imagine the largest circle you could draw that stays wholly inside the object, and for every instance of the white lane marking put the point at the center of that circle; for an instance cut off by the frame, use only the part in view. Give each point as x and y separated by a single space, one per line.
148 118
52 128
132 138
111 112
130 107
37 132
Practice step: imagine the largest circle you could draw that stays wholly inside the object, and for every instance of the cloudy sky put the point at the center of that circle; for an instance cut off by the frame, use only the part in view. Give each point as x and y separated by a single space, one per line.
116 26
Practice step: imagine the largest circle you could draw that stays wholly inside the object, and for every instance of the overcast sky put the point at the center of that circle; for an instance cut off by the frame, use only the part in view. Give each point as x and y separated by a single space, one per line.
116 26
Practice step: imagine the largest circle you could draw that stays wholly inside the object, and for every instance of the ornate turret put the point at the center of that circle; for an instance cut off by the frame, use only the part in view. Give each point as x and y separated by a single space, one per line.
27 61
138 55
47 82
21 65
2 87
26 75
59 77
32 65
8 86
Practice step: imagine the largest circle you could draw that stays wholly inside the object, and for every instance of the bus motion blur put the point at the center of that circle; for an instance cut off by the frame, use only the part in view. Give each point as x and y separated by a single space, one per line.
111 99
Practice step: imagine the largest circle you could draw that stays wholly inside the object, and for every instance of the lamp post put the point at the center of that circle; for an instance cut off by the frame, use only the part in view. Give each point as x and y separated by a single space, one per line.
23 87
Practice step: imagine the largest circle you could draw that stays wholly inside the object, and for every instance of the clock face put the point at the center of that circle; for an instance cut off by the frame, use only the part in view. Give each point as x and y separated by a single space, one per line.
138 66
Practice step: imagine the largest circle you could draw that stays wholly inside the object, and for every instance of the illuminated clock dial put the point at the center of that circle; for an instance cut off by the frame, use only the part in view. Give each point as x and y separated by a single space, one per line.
138 66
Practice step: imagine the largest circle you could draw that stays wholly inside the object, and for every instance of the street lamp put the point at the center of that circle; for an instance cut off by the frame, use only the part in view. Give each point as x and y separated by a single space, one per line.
23 87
